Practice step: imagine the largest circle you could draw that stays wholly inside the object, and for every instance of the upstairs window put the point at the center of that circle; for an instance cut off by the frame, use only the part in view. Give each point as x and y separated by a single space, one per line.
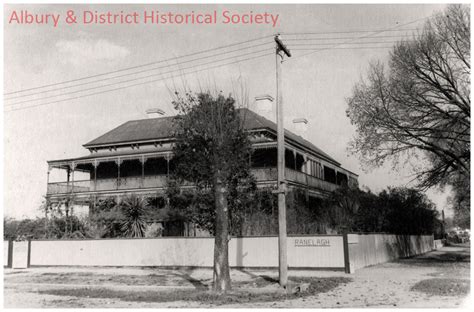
341 178
329 175
262 158
315 169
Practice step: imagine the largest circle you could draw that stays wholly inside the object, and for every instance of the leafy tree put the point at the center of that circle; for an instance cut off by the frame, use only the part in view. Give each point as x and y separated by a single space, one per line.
197 205
254 213
301 217
408 211
54 228
212 151
343 206
419 105
105 219
24 229
105 204
251 212
9 228
66 227
96 230
394 210
371 213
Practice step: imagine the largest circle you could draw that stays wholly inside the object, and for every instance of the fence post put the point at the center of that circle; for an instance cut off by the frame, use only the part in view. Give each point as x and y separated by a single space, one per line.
29 254
10 253
347 263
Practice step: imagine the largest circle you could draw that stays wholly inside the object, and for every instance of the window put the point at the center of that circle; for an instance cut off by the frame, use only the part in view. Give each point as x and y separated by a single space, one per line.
156 166
264 158
341 178
315 169
131 168
329 175
290 159
319 171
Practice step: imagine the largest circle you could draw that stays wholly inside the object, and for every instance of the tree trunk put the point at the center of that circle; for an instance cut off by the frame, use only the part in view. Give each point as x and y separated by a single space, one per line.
221 251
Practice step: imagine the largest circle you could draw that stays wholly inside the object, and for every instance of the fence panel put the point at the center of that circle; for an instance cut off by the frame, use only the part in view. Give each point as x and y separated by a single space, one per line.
305 251
370 249
324 251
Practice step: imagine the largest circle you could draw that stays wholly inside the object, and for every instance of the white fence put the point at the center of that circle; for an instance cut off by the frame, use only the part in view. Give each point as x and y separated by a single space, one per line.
349 252
303 252
369 249
6 253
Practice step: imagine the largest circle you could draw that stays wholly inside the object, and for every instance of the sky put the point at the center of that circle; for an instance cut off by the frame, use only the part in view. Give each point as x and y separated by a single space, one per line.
315 86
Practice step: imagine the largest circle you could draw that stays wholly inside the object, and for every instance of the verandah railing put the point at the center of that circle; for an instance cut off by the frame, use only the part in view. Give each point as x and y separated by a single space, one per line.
159 181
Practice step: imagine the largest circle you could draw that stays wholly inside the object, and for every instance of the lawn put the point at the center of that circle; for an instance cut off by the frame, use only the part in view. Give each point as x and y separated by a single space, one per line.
260 289
443 287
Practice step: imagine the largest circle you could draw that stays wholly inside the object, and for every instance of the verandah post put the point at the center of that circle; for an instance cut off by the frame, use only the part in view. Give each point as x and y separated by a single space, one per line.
73 167
118 162
142 161
95 174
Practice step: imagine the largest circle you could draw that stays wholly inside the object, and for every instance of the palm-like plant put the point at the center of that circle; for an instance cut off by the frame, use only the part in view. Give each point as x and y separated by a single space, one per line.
133 209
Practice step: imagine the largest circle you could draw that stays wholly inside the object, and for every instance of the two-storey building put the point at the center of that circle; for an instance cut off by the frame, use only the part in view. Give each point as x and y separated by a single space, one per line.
136 157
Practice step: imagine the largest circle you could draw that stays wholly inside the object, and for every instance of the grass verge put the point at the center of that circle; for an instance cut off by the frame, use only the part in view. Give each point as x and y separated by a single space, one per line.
238 295
443 287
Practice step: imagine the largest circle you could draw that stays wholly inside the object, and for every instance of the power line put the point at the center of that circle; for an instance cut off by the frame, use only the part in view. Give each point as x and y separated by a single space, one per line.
139 66
137 72
196 53
342 38
350 32
137 84
332 43
161 67
347 48
178 57
192 54
133 79
190 67
396 28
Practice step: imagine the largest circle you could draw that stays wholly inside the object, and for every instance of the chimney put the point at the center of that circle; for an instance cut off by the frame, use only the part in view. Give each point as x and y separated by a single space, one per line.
264 106
300 126
154 112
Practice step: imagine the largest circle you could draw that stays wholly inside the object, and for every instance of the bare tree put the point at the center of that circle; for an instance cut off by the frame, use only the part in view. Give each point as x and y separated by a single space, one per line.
419 104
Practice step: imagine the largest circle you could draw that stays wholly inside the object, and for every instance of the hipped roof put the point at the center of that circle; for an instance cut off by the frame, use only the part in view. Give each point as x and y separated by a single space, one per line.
159 129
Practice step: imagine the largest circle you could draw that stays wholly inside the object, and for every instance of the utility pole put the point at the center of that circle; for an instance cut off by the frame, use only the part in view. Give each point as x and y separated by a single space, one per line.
281 50
443 225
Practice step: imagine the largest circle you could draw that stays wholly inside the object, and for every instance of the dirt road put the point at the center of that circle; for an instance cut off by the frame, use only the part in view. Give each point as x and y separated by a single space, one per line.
437 279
